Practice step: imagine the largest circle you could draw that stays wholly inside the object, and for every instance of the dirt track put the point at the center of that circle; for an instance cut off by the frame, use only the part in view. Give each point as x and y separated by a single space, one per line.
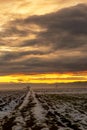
48 112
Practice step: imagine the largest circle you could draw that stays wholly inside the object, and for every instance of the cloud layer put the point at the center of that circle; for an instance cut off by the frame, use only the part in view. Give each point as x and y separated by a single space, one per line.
54 42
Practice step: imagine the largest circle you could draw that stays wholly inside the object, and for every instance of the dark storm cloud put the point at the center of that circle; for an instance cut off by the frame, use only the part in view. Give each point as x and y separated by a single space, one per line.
13 31
65 32
65 29
73 20
36 64
8 57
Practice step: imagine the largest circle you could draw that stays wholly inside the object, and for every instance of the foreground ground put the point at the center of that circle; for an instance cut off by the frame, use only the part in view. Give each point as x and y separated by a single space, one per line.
33 111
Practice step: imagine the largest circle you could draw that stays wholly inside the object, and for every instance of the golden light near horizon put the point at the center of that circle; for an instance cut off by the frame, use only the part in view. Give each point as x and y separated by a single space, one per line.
44 78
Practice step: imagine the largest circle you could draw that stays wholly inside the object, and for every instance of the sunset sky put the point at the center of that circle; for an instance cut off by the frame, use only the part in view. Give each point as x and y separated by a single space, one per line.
43 41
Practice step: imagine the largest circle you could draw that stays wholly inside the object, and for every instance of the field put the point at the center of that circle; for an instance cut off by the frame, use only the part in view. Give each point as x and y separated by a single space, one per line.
42 111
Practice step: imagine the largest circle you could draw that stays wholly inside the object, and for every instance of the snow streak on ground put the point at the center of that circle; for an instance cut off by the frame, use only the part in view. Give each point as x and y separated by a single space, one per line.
44 112
9 101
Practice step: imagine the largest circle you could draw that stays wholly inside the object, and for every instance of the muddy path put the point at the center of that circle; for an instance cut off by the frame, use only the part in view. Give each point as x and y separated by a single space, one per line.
42 112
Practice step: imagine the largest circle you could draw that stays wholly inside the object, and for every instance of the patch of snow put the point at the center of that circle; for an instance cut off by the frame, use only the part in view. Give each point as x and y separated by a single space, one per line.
17 127
4 113
25 102
38 111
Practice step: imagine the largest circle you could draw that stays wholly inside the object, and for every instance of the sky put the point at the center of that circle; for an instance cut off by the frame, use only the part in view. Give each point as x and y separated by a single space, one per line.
43 41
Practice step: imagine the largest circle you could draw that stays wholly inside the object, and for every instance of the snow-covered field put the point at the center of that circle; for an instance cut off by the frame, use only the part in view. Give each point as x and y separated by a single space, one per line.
42 111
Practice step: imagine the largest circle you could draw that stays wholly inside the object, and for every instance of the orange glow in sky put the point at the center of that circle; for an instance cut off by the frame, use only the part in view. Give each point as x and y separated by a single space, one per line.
44 78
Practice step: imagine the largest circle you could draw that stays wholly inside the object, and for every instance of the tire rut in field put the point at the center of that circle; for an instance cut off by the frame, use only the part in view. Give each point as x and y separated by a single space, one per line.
52 121
27 117
56 120
24 114
8 122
